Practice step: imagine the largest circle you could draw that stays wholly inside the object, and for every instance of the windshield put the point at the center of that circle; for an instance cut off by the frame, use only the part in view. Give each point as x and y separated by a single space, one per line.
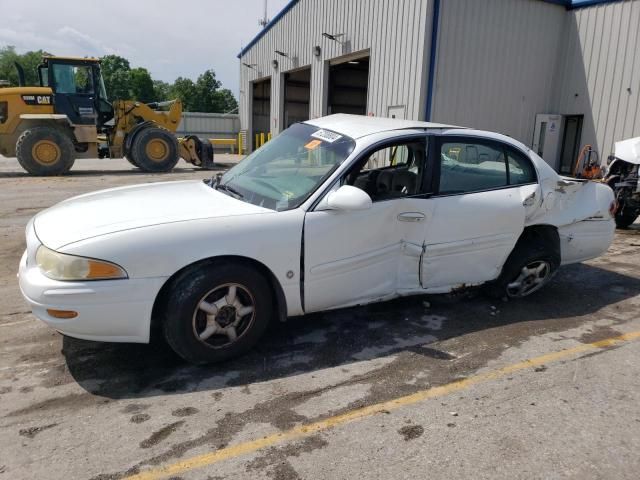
285 171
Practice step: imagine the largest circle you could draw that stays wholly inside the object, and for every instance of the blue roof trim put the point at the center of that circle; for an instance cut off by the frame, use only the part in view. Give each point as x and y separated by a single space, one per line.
432 59
568 4
588 3
268 26
573 4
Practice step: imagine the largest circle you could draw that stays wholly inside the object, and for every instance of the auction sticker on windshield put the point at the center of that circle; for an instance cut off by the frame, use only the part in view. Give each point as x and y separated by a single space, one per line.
313 144
326 136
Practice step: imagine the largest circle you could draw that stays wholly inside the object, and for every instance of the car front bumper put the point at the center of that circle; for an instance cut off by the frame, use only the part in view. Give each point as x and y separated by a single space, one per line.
108 311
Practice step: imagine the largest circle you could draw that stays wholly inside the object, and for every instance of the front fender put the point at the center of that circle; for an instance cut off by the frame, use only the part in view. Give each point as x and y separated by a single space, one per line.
272 239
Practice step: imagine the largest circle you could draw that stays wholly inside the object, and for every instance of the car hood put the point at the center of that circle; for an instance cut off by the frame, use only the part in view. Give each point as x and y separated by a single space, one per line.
125 208
628 150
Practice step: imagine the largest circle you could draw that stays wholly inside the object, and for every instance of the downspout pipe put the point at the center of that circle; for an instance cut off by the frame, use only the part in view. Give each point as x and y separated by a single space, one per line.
432 59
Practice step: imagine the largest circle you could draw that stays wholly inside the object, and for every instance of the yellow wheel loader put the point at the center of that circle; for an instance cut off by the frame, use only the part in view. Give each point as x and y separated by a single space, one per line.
68 116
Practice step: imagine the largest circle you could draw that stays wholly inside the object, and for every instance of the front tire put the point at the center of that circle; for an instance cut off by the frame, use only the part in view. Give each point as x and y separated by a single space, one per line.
45 151
130 159
216 311
154 150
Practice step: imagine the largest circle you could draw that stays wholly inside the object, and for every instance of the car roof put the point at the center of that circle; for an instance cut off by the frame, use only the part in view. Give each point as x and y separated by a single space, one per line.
356 126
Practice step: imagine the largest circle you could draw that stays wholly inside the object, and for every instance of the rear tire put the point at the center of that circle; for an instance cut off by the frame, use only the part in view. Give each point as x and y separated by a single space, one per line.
45 151
206 301
531 265
154 150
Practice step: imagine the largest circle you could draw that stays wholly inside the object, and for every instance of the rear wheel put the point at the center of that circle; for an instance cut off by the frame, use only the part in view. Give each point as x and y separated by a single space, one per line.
154 150
216 311
45 151
529 267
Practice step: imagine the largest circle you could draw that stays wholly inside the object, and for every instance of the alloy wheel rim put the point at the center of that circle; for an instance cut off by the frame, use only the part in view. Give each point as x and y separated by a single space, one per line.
223 315
531 278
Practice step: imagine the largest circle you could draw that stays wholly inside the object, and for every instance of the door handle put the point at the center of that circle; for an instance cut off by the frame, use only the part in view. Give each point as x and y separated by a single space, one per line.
411 217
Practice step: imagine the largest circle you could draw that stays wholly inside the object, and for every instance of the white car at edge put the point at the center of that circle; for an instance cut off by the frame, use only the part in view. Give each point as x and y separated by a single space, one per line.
337 211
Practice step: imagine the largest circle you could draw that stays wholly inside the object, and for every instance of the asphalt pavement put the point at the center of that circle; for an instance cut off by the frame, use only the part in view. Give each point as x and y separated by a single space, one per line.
439 387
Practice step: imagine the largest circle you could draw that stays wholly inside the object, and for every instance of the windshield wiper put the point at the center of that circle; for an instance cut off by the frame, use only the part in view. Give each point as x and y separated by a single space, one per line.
227 188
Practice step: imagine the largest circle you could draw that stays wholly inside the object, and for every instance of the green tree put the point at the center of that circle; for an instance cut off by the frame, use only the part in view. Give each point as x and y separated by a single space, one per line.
142 85
185 90
209 97
206 88
29 62
162 90
116 72
227 101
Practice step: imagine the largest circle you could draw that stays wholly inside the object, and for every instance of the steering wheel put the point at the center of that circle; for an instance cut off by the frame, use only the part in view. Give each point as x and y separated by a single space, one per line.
266 184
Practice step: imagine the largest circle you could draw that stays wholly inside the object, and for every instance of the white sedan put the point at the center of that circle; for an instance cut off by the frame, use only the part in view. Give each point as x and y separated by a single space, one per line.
338 211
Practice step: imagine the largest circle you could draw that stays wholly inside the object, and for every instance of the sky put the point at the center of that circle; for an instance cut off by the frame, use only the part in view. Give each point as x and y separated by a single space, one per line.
168 38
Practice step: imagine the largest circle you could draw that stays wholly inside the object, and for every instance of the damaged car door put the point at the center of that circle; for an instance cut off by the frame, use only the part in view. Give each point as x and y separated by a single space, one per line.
357 256
484 190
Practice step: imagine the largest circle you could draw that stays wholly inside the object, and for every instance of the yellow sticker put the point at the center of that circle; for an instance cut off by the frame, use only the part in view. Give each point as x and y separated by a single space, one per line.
313 144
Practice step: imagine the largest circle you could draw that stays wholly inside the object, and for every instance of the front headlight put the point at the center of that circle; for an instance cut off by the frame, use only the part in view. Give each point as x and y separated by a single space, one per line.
59 266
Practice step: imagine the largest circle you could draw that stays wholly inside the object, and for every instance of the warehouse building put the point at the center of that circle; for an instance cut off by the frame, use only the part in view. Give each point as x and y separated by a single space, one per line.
554 74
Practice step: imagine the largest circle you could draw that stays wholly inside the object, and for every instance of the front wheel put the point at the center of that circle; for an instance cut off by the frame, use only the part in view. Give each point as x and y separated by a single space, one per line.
154 150
130 159
216 311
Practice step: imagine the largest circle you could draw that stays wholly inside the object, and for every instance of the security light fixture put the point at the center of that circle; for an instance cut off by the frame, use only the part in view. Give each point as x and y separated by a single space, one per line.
333 37
282 54
250 65
274 64
317 51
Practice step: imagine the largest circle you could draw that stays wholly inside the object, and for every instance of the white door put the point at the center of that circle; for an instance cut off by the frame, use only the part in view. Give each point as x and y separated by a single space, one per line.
546 138
356 257
484 191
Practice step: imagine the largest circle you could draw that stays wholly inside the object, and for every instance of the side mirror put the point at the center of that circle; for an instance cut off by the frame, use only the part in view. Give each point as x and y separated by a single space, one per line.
348 198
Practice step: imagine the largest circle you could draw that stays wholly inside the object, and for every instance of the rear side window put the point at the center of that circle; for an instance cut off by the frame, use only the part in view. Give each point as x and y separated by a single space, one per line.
469 167
521 170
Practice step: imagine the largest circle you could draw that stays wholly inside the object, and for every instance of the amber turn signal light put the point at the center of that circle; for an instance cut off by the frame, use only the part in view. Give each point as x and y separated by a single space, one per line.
62 313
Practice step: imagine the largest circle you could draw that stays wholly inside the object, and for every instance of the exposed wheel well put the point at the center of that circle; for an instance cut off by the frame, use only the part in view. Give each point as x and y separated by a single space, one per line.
542 233
279 305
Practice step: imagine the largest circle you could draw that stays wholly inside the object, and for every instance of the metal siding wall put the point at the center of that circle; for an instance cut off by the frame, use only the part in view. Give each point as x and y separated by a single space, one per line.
394 31
495 63
209 125
599 62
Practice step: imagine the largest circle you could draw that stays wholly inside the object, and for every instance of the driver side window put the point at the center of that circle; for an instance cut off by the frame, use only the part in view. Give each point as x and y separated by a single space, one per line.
392 171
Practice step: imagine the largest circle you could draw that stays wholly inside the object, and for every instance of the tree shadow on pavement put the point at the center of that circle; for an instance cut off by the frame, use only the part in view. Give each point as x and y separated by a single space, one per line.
578 294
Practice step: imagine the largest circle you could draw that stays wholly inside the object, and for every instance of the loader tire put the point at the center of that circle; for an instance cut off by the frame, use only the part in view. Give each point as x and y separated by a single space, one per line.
155 150
45 151
130 159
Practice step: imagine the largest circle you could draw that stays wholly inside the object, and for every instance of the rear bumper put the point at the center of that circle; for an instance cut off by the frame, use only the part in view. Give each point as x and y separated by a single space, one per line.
585 240
108 311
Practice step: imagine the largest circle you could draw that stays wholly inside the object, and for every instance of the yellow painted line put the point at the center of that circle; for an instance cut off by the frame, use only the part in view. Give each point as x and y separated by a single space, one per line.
233 451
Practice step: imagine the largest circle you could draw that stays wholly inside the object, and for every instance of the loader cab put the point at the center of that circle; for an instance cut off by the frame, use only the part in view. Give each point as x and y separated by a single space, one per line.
78 89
